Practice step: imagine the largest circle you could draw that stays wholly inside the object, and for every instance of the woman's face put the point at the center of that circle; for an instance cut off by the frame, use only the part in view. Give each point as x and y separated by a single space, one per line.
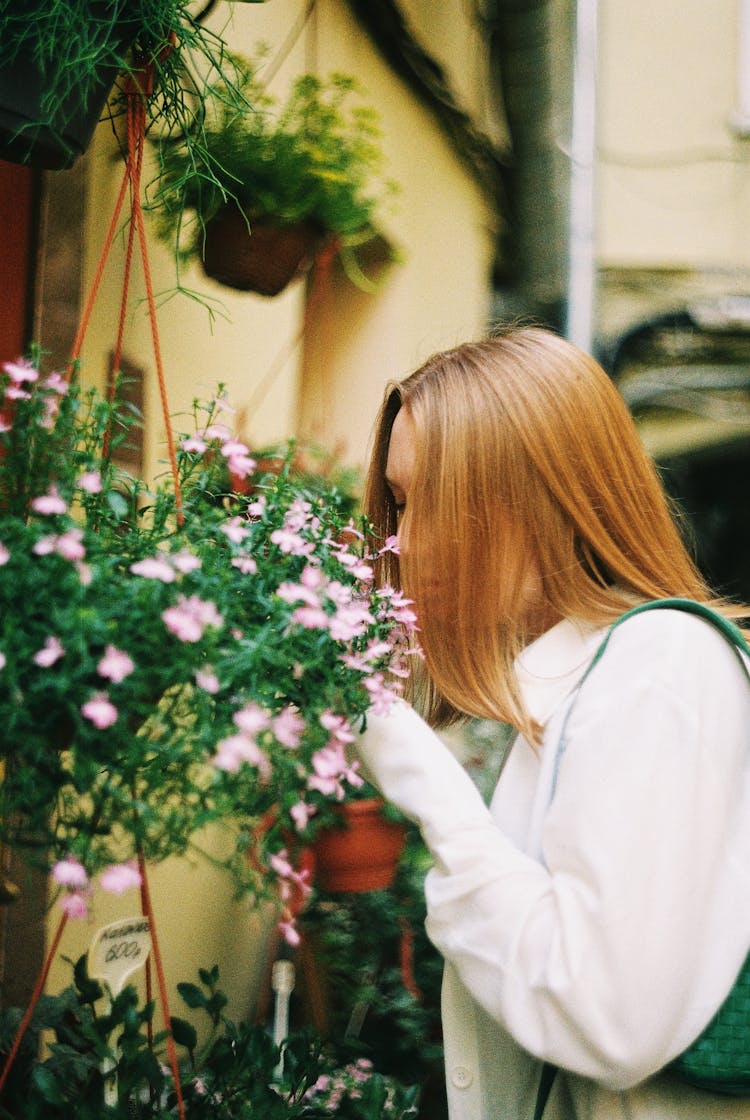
399 476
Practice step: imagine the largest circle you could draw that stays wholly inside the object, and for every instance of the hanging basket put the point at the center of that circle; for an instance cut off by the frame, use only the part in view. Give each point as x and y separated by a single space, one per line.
364 854
264 259
51 133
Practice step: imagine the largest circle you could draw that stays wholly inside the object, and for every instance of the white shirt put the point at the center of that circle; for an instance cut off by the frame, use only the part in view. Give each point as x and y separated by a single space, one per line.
599 929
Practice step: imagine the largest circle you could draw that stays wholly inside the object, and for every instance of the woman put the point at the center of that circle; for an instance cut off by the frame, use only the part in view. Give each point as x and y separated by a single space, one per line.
597 925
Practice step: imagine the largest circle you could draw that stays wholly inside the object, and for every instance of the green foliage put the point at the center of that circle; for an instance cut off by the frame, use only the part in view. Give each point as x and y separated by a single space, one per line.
317 157
239 1073
73 41
358 940
222 695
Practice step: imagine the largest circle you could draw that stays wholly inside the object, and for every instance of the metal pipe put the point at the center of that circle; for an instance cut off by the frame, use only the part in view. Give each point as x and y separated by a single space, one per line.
579 324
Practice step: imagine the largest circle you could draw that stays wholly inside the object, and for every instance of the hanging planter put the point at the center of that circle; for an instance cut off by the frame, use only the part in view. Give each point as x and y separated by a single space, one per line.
306 173
47 126
264 257
362 855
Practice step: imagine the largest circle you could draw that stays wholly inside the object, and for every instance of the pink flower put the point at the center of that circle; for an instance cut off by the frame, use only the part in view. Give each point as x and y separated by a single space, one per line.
2 661
100 710
50 503
234 447
288 727
245 564
251 719
188 619
154 567
120 877
56 383
194 444
70 545
185 562
69 872
51 651
75 905
207 680
4 555
289 932
241 465
232 751
297 593
390 545
382 698
350 622
311 618
256 508
290 543
235 529
115 665
20 371
91 482
44 546
301 813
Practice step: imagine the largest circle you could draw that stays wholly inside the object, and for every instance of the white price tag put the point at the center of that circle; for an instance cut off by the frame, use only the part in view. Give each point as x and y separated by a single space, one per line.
118 950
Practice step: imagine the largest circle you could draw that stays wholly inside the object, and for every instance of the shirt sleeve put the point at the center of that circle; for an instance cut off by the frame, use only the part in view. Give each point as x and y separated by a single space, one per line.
610 957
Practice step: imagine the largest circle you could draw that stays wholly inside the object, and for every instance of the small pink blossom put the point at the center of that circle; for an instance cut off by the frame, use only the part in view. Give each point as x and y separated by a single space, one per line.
288 726
390 544
120 877
290 542
297 593
69 872
70 545
234 447
256 508
350 621
90 482
56 383
154 567
45 546
16 393
232 751
20 371
115 665
190 617
251 719
100 710
245 564
207 680
241 466
2 661
75 905
51 651
290 933
235 529
311 618
194 444
49 504
185 562
217 431
4 555
301 813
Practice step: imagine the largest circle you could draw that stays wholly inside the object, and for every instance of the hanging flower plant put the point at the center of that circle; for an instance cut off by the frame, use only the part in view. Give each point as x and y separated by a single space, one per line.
175 656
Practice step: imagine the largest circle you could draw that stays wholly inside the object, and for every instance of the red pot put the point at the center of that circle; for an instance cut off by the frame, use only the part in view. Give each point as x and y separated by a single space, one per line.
362 855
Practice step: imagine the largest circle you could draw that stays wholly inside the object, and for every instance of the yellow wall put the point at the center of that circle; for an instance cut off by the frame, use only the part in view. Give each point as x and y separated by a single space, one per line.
673 183
328 388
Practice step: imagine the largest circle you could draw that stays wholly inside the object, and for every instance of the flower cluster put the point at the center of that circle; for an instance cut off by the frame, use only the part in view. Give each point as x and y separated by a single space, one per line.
159 673
357 1090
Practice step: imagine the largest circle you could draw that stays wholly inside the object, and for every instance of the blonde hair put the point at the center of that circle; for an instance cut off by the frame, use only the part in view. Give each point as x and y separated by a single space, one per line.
524 449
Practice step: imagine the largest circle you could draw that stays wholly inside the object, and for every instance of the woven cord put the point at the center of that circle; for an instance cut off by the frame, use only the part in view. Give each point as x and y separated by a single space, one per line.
38 989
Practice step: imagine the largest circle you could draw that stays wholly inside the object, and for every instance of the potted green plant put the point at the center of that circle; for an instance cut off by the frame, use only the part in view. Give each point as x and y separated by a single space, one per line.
170 659
270 183
237 1073
60 59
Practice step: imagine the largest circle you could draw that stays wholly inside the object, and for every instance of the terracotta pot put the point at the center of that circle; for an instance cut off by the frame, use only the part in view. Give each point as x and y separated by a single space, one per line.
264 260
363 855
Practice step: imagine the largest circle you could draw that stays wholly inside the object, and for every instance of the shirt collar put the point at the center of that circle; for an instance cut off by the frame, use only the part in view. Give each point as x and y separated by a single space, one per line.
551 666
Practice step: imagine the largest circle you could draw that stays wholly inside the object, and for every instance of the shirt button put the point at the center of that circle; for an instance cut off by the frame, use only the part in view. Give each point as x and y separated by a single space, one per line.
461 1077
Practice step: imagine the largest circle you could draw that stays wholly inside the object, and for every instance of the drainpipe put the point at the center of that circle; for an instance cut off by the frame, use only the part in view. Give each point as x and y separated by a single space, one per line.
740 119
581 281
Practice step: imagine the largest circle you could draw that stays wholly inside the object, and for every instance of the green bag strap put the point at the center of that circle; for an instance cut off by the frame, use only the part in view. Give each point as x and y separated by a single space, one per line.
731 632
734 635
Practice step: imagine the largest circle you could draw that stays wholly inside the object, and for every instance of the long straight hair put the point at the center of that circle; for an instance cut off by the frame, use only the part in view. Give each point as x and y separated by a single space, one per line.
527 458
